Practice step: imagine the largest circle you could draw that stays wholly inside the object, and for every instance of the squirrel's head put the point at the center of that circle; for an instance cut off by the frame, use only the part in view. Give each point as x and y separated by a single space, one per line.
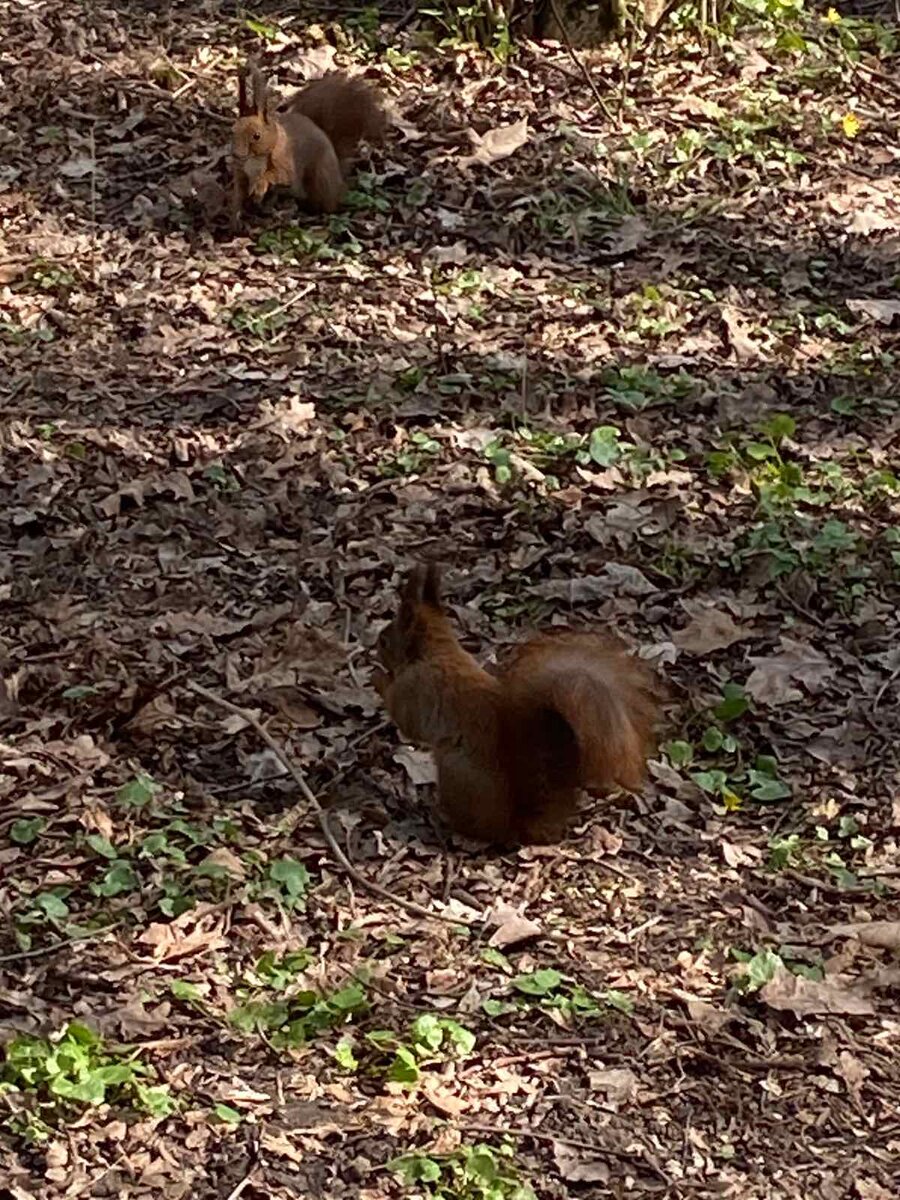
403 641
253 135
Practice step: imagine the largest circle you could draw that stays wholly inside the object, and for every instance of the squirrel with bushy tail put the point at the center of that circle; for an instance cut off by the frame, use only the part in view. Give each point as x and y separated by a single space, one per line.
308 147
513 750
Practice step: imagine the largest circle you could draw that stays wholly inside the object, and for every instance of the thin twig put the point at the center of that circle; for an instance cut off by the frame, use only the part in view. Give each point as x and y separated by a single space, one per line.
21 955
243 1185
799 608
557 16
884 687
306 792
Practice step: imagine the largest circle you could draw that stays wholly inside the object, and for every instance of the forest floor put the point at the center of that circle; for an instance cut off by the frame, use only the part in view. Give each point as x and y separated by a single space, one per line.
630 365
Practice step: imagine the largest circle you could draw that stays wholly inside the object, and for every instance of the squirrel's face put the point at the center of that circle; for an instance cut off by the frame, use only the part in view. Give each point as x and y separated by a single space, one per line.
252 137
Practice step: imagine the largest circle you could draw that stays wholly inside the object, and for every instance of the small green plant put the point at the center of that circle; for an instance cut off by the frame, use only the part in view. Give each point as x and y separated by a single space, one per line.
641 387
470 1173
26 830
262 321
52 1077
263 29
419 449
221 479
430 1039
294 243
138 793
297 1014
49 276
756 970
548 989
718 753
285 881
481 23
365 195
785 852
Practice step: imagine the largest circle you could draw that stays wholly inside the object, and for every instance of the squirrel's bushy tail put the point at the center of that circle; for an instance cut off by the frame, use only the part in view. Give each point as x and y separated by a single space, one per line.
590 708
347 110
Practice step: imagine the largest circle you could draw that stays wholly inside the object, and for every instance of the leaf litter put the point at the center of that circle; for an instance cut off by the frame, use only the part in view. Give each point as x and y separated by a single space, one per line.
552 351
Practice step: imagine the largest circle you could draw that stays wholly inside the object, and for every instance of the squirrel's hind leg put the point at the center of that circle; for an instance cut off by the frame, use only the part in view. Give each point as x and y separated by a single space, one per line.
323 183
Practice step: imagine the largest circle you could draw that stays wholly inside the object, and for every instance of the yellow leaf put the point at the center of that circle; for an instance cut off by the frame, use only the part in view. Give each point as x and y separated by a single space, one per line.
850 123
731 800
833 17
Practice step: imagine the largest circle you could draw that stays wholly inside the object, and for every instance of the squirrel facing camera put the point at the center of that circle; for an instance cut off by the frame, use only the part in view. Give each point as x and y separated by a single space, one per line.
566 711
307 148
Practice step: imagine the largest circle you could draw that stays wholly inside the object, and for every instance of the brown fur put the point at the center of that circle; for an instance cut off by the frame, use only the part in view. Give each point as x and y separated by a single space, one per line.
347 110
306 148
512 750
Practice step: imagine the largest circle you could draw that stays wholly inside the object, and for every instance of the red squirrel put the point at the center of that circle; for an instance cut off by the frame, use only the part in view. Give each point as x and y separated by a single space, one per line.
308 147
566 711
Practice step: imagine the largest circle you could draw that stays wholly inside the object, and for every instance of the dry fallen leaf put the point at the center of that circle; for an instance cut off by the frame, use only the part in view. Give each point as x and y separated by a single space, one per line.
883 311
884 934
192 933
225 860
496 143
512 926
710 629
810 997
617 1083
576 1166
737 327
772 681
418 765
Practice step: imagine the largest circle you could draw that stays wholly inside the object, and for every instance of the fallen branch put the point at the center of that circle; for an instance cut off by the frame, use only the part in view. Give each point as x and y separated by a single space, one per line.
410 906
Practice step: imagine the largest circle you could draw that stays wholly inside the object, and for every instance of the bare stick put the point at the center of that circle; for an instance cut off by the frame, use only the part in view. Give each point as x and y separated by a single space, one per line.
417 910
22 955
577 61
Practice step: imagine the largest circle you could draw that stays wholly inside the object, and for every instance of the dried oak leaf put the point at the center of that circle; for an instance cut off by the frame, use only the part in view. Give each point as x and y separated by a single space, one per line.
811 997
496 143
576 1167
773 679
709 629
882 311
418 764
512 926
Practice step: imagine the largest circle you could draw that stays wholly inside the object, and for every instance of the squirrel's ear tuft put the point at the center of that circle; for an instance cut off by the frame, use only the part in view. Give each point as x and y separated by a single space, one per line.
423 586
260 90
243 106
413 588
431 587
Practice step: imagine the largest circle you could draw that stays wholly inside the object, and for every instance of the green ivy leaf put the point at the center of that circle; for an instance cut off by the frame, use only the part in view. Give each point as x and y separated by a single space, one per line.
679 754
537 983
102 846
138 793
227 1115
604 446
27 830
346 1059
404 1069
